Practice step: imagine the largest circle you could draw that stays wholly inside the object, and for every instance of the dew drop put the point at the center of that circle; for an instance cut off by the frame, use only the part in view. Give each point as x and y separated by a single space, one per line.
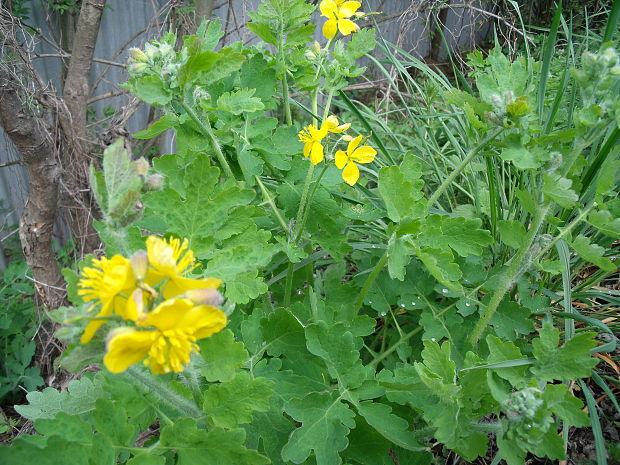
433 339
370 302
467 304
445 291
402 305
528 426
383 313
413 303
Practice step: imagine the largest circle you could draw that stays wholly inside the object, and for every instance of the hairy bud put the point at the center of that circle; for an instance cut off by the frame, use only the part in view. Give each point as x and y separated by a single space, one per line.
139 264
205 297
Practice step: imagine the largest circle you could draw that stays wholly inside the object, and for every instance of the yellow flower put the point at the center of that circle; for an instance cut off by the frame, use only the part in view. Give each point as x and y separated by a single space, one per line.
353 155
171 260
176 326
107 283
312 137
338 13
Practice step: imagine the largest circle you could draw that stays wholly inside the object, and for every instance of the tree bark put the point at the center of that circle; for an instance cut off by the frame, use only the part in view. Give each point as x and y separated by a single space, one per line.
76 160
36 226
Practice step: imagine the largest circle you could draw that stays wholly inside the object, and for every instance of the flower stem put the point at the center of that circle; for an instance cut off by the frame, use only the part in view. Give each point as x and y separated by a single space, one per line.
470 156
206 127
309 202
369 282
272 204
182 405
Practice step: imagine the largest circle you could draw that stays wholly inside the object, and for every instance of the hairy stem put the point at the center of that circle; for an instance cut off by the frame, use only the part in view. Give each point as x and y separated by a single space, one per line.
206 127
369 282
470 156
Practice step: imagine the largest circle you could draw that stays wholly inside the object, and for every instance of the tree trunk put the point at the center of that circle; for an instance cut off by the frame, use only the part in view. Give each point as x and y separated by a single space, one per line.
36 226
76 160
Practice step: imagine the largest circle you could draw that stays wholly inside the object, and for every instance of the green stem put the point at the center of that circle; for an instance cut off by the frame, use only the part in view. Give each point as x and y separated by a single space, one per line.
272 204
468 158
513 272
565 231
174 400
206 127
302 200
309 203
286 99
328 104
288 286
369 282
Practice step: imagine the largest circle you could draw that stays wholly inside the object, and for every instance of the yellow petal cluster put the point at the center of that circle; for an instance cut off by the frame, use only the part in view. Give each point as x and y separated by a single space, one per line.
312 138
165 337
183 309
349 159
338 13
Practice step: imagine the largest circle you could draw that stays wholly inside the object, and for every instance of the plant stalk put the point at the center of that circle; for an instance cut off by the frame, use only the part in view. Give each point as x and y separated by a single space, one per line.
369 282
470 156
206 127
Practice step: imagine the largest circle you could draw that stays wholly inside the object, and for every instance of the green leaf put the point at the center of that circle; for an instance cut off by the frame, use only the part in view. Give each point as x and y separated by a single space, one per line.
438 371
399 256
218 221
558 189
463 235
390 426
164 123
605 222
525 158
240 101
150 89
511 233
110 419
511 319
79 398
403 197
501 351
263 31
208 67
122 181
283 334
592 253
231 403
568 362
222 356
326 421
567 407
200 447
441 265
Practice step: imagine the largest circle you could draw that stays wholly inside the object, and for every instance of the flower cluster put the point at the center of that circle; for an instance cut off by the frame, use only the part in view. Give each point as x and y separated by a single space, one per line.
312 138
338 13
166 312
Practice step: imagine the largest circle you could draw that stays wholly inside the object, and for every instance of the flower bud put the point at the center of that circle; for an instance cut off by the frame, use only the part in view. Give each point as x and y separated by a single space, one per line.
138 55
150 50
142 166
205 297
154 182
317 47
497 101
347 138
139 264
310 55
137 68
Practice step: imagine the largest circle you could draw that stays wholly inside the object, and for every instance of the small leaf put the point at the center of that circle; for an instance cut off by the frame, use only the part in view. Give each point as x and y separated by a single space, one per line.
240 101
511 233
164 123
222 356
592 253
559 190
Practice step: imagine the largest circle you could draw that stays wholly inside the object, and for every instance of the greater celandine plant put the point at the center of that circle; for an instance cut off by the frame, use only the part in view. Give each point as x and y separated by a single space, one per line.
252 310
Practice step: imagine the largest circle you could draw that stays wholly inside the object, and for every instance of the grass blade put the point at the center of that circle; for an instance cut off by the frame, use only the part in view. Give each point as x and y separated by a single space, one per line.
599 441
546 60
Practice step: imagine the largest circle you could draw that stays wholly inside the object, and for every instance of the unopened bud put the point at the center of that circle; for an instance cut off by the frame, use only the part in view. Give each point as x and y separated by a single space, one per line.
509 96
139 264
165 49
205 297
497 101
150 50
310 55
142 166
137 68
154 182
347 138
357 28
138 55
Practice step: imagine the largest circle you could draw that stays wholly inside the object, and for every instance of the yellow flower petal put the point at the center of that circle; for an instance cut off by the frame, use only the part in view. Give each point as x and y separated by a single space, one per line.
331 122
348 9
168 314
364 154
317 153
128 347
307 148
203 321
341 159
351 173
330 28
91 329
353 145
346 26
328 8
178 285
